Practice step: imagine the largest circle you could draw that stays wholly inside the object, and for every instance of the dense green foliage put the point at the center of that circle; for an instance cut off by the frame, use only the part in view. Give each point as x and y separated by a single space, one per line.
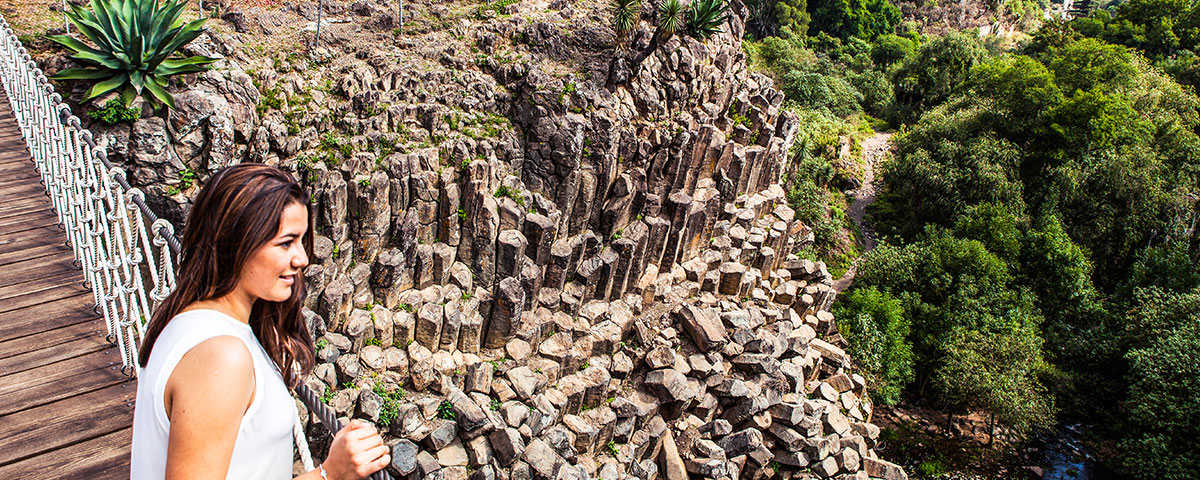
875 325
135 43
1040 219
854 18
1164 388
1071 171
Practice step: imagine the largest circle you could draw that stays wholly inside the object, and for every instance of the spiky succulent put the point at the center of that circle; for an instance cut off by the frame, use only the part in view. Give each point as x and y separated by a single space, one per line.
134 46
671 15
625 15
704 17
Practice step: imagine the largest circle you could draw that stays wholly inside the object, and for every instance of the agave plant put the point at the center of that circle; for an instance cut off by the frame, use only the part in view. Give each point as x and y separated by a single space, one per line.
704 17
134 46
670 17
625 15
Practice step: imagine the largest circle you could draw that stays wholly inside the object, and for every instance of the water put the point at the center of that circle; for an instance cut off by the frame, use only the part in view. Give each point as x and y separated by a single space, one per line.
1068 458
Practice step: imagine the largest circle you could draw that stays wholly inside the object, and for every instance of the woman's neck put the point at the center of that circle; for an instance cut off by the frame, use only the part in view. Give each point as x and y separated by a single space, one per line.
235 304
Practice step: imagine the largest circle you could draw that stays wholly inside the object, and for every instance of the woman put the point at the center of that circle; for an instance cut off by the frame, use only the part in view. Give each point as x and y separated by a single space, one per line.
212 402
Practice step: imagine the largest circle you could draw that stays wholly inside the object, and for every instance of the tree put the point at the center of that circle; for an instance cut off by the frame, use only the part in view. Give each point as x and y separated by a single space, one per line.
891 48
929 77
1017 89
792 14
1164 386
854 18
874 324
997 372
997 227
625 16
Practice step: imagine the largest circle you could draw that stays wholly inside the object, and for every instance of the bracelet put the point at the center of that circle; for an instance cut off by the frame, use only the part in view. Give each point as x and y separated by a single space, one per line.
321 468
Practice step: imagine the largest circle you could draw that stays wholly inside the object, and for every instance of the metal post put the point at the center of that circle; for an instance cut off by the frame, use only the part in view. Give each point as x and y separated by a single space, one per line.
320 11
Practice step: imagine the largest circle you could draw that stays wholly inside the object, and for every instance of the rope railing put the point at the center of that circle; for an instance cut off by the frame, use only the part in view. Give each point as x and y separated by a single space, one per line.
117 240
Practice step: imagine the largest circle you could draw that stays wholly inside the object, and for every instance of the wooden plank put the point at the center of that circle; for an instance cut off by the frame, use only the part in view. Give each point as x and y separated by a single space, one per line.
7 212
55 313
24 232
101 458
19 180
40 284
44 216
18 170
19 176
40 297
56 381
35 358
8 256
72 420
12 347
25 188
28 204
22 271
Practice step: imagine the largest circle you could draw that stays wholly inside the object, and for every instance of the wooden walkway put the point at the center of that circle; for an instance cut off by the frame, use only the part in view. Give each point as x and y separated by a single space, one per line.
65 407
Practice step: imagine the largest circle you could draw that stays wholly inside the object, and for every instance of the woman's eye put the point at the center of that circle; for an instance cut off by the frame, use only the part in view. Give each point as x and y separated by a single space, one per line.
287 244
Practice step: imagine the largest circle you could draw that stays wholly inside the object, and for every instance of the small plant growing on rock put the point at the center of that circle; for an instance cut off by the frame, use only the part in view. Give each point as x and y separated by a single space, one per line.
495 404
374 342
391 403
406 307
115 112
445 410
612 448
187 177
514 194
321 344
327 396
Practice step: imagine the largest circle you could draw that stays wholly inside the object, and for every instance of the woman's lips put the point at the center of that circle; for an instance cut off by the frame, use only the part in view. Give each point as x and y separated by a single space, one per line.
288 279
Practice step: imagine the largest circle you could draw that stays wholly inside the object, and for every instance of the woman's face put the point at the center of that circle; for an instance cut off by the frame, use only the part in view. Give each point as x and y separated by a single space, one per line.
273 269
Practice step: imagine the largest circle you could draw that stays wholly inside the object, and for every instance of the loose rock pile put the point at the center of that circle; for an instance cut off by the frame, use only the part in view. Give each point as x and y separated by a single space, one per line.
715 371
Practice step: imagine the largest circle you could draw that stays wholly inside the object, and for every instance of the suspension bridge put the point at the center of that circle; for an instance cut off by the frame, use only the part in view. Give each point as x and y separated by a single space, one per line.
83 263
67 407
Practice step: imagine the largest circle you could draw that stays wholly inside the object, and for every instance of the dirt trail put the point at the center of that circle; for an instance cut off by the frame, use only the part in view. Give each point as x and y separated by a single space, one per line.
875 149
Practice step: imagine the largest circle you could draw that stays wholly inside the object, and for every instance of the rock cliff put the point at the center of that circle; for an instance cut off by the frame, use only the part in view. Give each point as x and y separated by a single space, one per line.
532 262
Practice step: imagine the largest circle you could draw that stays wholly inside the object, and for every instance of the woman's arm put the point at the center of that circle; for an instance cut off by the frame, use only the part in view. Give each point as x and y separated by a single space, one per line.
206 396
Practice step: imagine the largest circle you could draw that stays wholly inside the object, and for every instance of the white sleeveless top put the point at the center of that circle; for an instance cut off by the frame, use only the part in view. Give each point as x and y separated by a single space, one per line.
263 449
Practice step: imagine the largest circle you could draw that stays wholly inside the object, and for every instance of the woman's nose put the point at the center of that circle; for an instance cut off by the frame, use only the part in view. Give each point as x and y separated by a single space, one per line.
300 260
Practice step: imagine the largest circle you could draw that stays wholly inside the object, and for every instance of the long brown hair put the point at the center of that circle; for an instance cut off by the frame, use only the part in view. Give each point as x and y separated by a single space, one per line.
237 212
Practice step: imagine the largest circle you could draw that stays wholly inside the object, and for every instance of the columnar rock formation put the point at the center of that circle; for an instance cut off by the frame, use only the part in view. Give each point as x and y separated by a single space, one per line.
571 270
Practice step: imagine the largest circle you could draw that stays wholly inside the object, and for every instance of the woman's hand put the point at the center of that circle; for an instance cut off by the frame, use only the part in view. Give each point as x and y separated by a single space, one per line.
357 451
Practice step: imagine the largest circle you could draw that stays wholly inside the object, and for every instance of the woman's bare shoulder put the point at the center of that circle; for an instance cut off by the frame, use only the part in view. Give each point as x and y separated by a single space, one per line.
218 373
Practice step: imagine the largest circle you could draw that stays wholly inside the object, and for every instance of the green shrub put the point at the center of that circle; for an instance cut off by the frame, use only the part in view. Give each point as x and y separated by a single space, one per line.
875 325
115 112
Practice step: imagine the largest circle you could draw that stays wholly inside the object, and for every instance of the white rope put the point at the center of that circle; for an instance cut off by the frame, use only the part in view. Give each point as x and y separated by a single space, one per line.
302 443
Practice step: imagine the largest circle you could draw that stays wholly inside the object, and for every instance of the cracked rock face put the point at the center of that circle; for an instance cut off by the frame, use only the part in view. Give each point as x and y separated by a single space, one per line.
573 266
